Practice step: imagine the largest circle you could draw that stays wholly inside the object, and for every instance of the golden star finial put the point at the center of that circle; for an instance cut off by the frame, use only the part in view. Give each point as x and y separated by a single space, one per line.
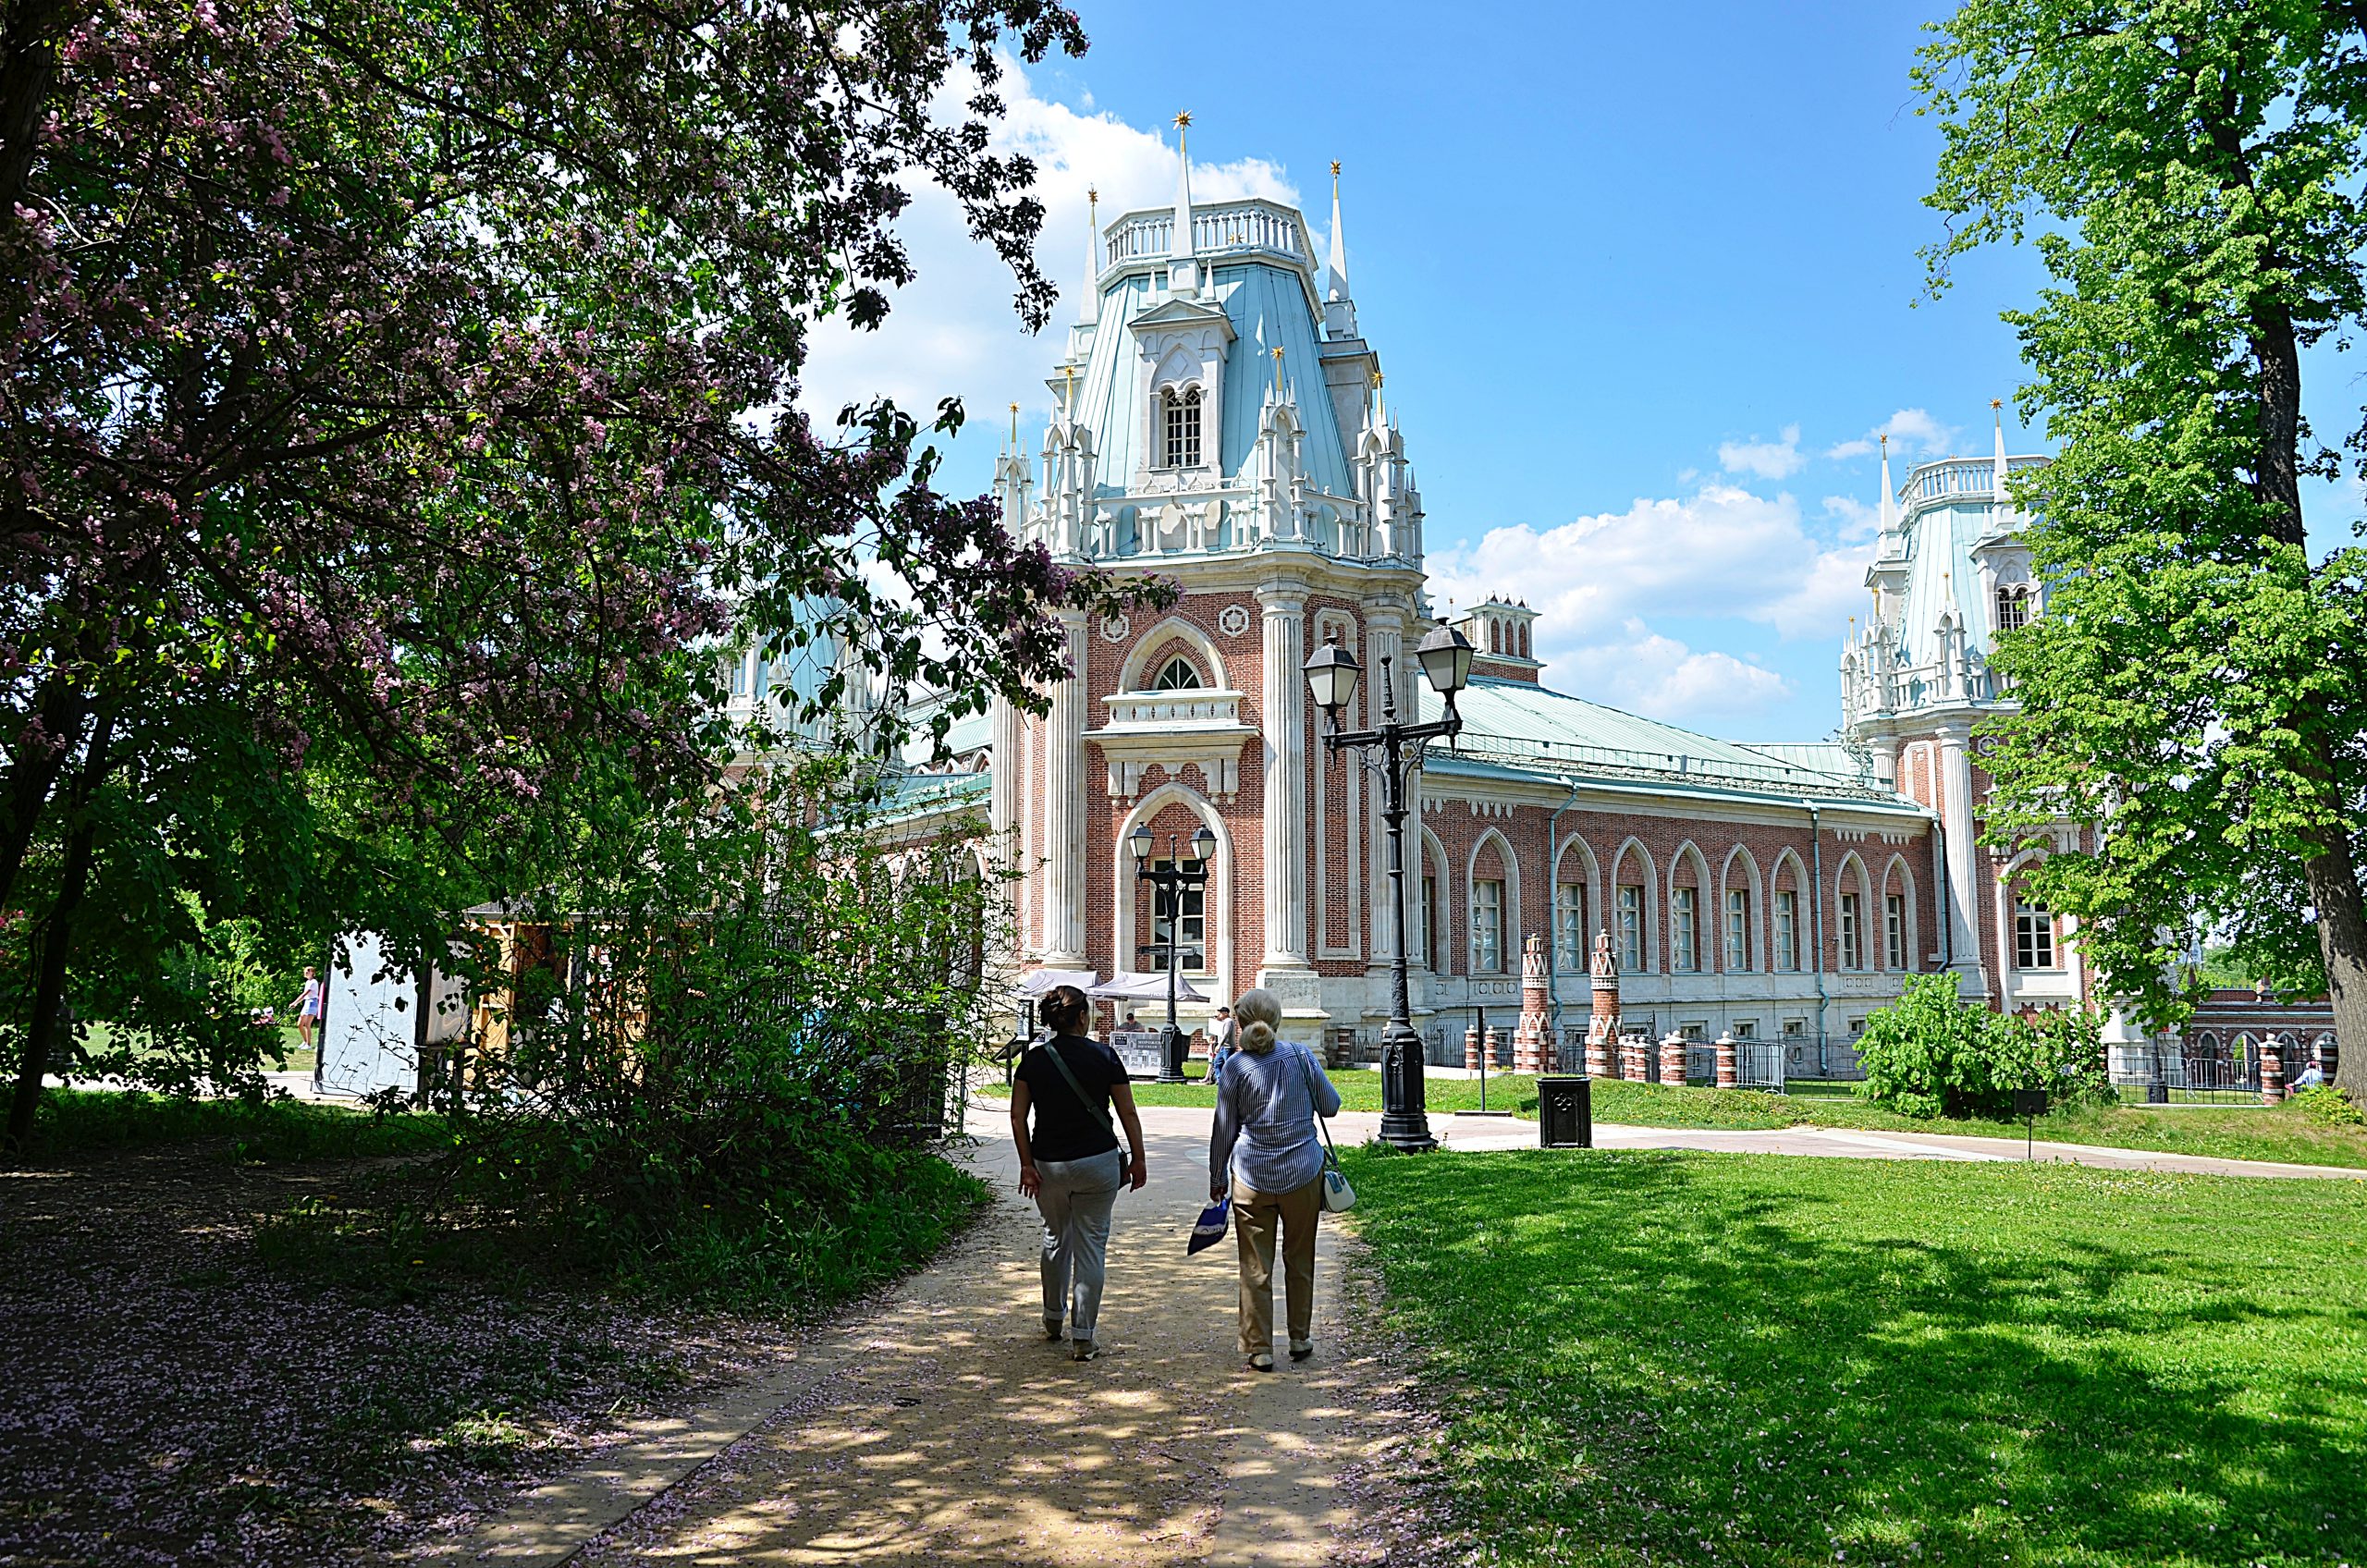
1092 197
1376 375
1996 402
1335 168
1184 119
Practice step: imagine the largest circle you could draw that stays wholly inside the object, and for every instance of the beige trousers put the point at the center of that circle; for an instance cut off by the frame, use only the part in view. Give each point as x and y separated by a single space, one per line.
1254 1218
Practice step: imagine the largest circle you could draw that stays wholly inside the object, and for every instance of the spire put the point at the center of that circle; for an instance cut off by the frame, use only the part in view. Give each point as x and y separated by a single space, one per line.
1183 263
1092 303
1890 496
1997 408
1336 287
1339 309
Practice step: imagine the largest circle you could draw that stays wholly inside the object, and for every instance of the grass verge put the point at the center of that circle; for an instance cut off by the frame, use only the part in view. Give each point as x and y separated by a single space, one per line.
1651 1358
2282 1134
73 1121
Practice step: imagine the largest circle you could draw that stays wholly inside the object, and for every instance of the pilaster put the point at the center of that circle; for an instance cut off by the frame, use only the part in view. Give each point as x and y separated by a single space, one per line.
1283 716
1964 854
1064 807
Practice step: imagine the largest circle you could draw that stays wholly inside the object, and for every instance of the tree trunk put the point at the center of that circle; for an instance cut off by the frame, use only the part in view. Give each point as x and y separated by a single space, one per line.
28 65
30 777
57 940
2333 880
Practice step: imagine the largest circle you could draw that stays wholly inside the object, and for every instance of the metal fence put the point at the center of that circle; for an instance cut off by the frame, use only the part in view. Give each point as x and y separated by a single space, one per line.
2167 1074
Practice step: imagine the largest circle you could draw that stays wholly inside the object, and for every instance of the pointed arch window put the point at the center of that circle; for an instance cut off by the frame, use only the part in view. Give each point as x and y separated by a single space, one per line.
1180 425
1177 675
2013 607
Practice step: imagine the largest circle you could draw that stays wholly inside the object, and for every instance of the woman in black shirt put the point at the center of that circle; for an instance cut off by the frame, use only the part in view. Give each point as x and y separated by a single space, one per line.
1070 1163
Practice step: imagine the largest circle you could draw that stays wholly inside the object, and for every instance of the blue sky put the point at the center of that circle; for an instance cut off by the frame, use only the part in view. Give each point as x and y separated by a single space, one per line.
1644 281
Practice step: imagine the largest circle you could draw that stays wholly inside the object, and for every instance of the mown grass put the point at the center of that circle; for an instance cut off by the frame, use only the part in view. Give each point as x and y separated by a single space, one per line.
1647 1357
2282 1133
70 1121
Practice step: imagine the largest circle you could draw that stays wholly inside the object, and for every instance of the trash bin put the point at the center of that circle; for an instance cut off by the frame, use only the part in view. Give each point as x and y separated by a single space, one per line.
1565 1113
2157 1092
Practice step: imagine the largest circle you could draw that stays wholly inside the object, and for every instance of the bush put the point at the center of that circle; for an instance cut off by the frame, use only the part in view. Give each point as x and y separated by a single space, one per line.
716 1085
2324 1102
1933 1054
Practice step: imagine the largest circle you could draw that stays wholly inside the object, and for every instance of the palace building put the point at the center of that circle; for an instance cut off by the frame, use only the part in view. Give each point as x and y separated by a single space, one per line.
1222 420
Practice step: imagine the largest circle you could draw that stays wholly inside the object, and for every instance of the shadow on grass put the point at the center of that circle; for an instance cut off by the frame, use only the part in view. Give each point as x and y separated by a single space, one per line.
1649 1357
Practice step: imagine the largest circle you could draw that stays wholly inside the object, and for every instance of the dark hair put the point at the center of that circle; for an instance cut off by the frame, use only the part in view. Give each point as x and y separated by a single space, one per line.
1063 1010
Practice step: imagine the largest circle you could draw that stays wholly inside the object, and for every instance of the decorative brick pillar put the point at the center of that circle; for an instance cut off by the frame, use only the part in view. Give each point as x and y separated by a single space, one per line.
1602 1024
1599 1047
1673 1060
1495 1050
1633 1051
1532 1041
1471 1049
1728 1077
2272 1071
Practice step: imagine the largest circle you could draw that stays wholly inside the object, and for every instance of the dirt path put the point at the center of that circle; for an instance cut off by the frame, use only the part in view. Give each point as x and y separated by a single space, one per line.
943 1429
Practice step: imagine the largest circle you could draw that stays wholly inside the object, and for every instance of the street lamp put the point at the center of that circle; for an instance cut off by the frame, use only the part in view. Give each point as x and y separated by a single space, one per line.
1396 750
1171 880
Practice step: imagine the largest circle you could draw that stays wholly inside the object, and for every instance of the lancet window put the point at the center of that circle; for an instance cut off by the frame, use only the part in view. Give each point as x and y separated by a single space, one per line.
1180 425
1177 675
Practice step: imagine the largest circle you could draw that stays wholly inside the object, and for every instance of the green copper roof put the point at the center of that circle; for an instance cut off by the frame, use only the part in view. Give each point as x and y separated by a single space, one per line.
1538 730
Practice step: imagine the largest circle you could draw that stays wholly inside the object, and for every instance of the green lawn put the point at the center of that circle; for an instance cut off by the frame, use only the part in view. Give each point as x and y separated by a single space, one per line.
75 1120
2282 1134
1658 1358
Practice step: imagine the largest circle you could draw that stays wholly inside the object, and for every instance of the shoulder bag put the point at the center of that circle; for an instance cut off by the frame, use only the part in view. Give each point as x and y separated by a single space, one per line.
1338 1196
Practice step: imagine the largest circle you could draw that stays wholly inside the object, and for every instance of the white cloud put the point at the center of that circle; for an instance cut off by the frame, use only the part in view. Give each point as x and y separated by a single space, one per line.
1648 673
1725 553
1856 520
953 332
1768 460
1912 431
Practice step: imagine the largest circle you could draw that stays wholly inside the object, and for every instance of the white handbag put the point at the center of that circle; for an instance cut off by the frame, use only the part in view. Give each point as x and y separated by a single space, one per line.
1338 1196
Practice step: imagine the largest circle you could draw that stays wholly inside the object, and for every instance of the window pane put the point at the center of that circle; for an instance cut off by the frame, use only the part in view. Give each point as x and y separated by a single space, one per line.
1684 949
1738 929
1852 946
1895 930
1421 924
1631 929
1788 930
1486 927
1570 926
1192 916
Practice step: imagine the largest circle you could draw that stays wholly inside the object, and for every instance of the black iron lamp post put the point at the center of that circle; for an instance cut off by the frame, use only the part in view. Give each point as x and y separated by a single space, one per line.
1171 880
1394 750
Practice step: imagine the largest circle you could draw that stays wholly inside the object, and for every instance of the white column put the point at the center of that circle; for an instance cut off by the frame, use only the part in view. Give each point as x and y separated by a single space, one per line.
1284 716
1964 855
1002 795
1065 808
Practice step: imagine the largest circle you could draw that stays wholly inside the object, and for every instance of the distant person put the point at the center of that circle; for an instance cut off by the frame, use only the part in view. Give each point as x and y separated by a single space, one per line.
2309 1077
1133 1023
1224 1038
1070 1163
1266 1139
308 1007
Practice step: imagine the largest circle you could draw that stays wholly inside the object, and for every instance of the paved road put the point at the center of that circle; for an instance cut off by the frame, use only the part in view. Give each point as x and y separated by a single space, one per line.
940 1427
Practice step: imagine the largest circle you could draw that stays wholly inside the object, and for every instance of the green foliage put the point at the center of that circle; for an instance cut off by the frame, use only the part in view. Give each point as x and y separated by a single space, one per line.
716 1083
1640 1357
1931 1054
2330 1107
2194 174
277 1130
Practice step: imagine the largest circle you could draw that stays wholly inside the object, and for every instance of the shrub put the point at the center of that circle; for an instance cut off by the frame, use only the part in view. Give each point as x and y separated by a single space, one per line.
2324 1102
1933 1054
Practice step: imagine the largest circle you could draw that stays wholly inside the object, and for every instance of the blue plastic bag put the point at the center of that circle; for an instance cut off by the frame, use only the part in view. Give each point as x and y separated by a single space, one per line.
1208 1229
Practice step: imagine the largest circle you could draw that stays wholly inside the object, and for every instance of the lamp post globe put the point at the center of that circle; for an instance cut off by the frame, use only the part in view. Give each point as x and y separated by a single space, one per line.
1141 841
1331 673
1204 844
1445 655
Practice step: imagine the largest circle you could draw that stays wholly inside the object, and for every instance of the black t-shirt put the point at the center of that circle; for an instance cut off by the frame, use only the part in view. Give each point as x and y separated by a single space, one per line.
1064 1128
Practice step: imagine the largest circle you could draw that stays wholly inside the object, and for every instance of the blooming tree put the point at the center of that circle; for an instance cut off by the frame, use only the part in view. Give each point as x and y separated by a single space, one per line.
411 390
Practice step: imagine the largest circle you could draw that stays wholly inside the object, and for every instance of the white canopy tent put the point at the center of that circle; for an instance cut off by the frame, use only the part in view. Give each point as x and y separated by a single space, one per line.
1138 988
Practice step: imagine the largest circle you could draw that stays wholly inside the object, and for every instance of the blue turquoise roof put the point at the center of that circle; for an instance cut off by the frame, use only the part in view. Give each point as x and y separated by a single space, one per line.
1267 306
